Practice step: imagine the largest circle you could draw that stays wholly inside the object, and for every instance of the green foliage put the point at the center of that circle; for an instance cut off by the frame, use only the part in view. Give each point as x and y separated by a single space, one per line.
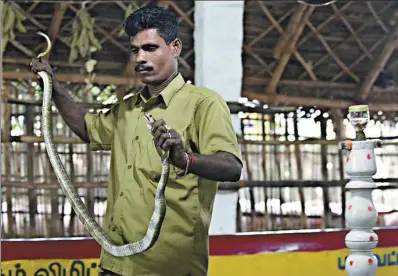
12 20
128 11
83 40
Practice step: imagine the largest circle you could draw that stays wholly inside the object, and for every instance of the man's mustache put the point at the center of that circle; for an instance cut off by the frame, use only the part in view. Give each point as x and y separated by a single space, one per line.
141 67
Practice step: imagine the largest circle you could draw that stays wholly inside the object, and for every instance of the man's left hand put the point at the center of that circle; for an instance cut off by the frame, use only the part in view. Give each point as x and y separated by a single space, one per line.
169 140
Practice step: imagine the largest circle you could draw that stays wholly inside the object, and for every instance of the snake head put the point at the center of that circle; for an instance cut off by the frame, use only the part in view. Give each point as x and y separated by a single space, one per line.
48 45
149 120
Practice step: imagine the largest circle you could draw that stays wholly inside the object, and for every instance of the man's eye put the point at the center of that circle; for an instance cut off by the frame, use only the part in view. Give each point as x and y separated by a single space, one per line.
150 48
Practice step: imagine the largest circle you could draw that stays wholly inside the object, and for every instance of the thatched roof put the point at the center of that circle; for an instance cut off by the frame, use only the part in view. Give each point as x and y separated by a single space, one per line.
344 53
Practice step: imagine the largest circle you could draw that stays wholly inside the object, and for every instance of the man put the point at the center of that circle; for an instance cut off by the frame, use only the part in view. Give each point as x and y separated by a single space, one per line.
200 129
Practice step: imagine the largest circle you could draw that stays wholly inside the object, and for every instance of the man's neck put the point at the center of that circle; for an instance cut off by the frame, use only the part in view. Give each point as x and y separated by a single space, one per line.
155 90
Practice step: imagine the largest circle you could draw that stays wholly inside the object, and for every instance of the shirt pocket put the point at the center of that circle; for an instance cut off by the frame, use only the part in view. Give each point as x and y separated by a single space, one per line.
152 161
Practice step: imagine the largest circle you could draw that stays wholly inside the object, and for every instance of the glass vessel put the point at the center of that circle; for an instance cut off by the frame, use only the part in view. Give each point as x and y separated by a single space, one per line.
359 118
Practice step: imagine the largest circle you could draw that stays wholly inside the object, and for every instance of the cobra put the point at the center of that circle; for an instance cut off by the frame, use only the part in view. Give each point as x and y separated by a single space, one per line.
78 206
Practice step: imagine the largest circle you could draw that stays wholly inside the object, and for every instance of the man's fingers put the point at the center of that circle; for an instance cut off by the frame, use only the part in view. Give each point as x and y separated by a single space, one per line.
159 132
169 143
157 124
163 138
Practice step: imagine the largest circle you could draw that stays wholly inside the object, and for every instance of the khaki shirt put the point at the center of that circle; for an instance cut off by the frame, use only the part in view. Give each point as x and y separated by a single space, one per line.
203 120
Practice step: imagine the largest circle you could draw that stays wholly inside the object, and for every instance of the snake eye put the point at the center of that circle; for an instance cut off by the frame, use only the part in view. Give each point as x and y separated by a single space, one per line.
149 118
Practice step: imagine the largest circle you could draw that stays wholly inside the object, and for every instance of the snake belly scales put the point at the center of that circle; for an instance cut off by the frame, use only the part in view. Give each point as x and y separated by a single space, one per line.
78 206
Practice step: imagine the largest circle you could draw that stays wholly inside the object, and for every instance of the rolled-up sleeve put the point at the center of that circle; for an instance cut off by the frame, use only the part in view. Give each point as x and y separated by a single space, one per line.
100 128
214 124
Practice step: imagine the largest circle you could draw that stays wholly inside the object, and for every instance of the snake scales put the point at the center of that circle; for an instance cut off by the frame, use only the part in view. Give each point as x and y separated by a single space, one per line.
78 206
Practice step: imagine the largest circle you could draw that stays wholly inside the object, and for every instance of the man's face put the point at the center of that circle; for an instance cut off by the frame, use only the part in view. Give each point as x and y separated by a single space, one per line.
154 59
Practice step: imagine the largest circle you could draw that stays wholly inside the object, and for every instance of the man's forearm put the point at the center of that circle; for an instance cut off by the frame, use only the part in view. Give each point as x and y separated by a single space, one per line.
72 113
221 166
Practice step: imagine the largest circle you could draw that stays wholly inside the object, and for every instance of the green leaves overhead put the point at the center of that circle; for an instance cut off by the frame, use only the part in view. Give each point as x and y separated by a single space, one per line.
128 11
12 20
83 41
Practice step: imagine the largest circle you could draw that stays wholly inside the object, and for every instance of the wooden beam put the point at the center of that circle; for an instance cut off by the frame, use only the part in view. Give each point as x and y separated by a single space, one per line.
41 27
109 36
357 31
135 81
297 55
58 15
105 65
78 78
289 33
380 62
292 32
307 101
376 17
361 57
308 84
269 28
22 48
351 30
332 53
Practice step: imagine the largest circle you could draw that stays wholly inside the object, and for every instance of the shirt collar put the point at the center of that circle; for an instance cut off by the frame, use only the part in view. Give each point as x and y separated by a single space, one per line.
167 93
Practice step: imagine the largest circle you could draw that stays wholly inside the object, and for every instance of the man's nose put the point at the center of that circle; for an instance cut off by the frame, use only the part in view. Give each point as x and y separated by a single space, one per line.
140 57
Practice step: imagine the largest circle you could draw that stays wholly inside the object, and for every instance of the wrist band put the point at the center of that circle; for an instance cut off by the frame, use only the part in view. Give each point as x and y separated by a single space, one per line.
189 161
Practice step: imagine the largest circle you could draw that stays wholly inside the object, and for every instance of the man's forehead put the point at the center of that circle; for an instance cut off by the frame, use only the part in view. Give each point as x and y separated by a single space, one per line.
150 36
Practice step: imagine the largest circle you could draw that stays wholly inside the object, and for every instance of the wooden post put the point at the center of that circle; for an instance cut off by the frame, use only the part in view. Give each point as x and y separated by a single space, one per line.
324 160
7 155
297 155
89 156
264 165
72 179
337 118
277 163
29 120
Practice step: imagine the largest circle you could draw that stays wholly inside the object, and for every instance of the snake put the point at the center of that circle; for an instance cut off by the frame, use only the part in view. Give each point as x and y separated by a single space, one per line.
89 223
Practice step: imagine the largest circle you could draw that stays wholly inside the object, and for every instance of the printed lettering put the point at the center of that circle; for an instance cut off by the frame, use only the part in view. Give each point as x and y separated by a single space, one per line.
386 259
42 272
56 269
77 268
16 271
19 271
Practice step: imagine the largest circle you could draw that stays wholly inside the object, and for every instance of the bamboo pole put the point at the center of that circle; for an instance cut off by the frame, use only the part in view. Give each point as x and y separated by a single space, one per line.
72 179
49 185
287 44
29 121
297 155
71 140
339 135
226 186
379 63
7 156
1 101
267 219
287 100
327 222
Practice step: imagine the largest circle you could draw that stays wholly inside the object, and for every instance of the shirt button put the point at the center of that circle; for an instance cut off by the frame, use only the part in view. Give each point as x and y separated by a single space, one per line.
113 228
136 138
129 167
121 194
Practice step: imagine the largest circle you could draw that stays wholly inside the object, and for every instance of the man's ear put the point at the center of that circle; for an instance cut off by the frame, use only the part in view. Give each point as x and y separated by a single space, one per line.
176 46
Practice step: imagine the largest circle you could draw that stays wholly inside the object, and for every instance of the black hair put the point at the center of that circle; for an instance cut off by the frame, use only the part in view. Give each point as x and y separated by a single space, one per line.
153 17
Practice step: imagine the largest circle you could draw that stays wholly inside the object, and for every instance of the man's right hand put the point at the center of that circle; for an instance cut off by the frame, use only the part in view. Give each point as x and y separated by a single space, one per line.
38 65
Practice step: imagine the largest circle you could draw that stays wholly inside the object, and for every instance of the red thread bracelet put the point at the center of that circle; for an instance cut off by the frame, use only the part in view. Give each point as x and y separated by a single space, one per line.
191 160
